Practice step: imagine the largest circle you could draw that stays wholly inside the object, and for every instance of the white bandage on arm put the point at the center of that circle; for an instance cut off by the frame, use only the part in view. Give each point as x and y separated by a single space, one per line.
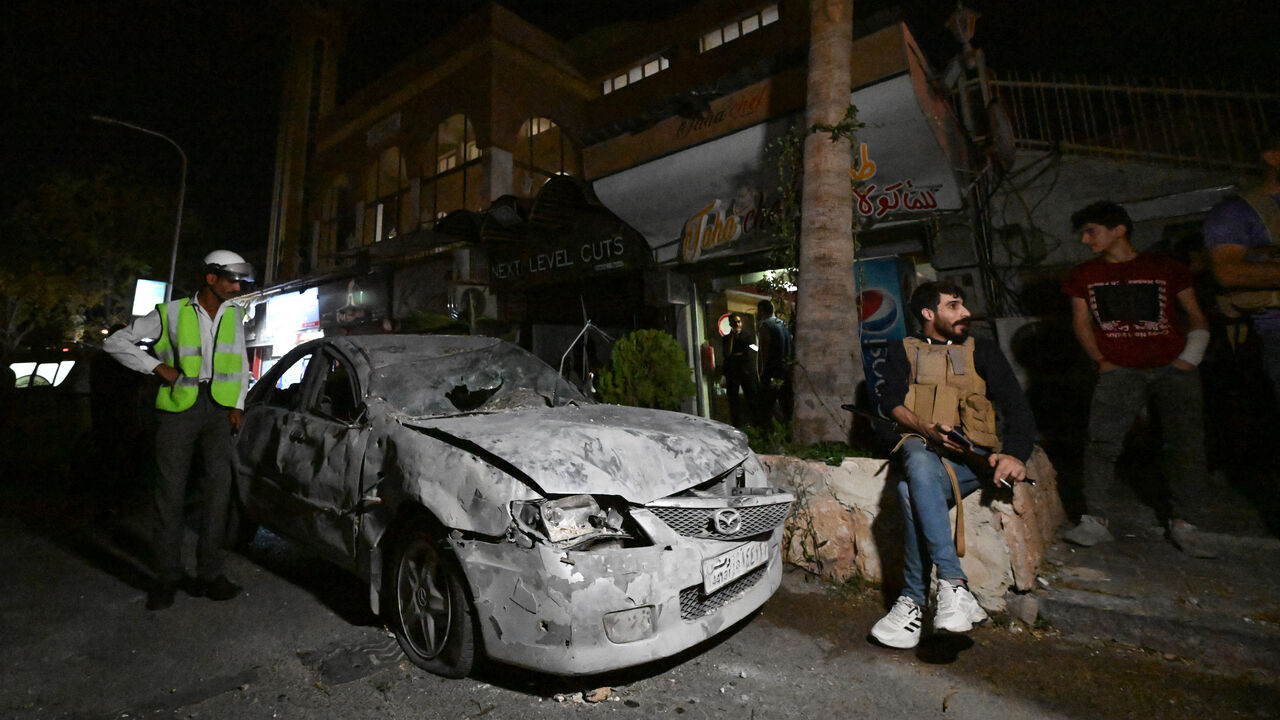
1197 343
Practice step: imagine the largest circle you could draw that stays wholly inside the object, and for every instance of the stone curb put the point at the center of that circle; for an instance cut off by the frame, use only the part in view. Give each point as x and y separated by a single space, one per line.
1233 642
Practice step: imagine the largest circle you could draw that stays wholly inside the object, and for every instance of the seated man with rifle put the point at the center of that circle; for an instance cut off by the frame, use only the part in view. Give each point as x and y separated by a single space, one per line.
943 388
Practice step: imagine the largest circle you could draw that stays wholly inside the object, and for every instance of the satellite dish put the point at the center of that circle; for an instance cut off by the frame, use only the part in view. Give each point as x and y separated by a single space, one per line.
1000 128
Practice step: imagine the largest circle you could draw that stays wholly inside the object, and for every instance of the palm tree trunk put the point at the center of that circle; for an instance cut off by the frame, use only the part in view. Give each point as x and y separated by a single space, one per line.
828 355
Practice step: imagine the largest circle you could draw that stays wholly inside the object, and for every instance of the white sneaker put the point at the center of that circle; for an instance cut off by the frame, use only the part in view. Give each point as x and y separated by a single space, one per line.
1089 532
955 609
901 627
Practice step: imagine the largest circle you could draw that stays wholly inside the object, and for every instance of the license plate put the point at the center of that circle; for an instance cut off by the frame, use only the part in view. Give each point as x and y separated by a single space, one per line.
727 567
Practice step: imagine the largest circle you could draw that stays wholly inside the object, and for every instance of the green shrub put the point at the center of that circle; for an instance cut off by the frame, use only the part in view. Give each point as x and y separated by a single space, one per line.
778 440
648 369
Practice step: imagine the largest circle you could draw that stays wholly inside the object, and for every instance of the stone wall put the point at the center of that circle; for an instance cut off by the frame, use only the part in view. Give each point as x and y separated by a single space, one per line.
846 523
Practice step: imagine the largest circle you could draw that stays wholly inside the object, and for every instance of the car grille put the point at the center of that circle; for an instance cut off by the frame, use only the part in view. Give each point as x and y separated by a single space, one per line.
694 604
697 522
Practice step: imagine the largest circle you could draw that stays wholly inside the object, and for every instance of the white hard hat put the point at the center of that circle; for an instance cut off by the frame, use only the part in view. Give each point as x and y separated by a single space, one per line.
229 265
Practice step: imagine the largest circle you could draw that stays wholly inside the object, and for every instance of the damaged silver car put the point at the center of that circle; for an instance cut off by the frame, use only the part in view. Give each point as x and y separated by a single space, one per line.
492 507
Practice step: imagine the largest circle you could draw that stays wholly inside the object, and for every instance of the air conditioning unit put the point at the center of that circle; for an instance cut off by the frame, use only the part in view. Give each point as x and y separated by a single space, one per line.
466 300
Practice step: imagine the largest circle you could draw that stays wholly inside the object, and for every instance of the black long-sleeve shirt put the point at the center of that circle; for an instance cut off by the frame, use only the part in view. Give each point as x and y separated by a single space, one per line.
1017 424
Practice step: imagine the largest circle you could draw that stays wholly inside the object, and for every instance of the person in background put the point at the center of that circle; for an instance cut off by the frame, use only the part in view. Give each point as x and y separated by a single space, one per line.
775 363
740 373
1124 310
1242 235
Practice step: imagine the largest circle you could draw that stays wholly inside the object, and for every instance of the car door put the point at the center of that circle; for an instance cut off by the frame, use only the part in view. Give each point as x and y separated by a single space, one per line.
303 445
320 454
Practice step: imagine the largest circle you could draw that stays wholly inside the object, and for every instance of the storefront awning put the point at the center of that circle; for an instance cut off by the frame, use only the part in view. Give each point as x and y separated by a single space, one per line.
706 201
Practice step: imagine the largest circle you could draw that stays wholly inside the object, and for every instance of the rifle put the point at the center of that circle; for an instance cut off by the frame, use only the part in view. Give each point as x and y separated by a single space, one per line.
954 434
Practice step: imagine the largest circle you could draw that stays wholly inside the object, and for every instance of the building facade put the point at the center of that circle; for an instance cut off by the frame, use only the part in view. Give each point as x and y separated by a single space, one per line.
505 181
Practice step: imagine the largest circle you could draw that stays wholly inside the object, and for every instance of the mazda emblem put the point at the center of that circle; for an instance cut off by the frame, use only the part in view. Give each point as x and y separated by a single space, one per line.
727 521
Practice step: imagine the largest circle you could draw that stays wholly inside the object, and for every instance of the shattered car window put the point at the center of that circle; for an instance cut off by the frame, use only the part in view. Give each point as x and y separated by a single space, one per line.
500 377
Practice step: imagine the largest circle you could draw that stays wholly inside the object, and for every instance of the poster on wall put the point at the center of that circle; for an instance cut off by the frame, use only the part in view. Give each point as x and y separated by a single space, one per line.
355 301
882 314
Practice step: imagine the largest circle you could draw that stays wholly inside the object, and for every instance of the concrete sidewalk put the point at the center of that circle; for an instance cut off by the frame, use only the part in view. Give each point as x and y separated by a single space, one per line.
1138 589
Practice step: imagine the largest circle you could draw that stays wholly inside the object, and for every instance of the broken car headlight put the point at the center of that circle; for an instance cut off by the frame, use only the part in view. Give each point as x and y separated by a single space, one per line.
570 522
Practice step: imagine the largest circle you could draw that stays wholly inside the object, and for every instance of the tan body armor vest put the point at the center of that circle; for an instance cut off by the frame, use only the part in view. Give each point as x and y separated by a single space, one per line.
1235 303
945 388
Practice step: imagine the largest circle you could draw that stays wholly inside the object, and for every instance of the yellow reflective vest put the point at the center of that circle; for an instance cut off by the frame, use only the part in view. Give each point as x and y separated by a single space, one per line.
179 347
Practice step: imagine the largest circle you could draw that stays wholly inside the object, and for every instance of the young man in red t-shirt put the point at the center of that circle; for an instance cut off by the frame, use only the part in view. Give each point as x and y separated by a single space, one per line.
1123 307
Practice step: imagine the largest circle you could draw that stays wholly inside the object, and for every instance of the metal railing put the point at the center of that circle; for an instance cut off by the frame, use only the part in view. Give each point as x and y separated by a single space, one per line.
1158 122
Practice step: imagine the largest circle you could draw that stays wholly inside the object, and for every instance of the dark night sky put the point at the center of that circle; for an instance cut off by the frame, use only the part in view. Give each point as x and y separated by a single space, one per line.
207 72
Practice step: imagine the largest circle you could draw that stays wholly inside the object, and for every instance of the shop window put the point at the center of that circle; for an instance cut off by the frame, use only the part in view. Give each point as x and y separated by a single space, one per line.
648 68
742 26
386 194
543 150
338 223
454 179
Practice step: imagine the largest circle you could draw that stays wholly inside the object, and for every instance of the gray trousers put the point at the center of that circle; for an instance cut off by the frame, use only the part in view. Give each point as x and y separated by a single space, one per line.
1117 399
206 425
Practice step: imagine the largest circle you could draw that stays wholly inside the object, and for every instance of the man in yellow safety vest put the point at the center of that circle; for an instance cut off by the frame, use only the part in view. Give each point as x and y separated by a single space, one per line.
199 341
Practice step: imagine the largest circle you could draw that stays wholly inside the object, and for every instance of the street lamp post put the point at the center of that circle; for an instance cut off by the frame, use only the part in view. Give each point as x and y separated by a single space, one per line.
182 193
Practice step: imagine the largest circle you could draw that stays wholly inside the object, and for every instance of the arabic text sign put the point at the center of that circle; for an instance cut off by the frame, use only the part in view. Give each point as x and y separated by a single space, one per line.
877 201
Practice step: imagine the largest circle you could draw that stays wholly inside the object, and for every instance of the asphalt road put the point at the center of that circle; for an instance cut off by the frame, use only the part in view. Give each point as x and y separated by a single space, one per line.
76 641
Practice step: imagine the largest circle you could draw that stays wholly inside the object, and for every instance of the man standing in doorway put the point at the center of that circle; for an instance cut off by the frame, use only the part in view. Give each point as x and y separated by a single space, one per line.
775 363
200 343
936 382
1124 314
740 372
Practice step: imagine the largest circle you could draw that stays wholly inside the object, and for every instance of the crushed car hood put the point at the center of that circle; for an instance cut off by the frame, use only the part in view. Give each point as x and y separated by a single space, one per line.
641 455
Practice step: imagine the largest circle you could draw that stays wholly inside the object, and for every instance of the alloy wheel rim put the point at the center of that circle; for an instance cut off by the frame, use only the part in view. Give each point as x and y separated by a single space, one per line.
424 601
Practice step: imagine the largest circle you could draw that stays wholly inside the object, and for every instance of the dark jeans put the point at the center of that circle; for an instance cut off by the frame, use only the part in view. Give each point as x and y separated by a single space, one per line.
776 395
206 425
1117 399
1270 341
746 408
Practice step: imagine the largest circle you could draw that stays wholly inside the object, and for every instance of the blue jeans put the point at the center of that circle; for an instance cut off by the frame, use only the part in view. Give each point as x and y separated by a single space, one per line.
1117 399
925 496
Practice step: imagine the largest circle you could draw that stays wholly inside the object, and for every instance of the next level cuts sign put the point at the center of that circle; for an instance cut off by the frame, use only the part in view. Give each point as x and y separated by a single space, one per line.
567 258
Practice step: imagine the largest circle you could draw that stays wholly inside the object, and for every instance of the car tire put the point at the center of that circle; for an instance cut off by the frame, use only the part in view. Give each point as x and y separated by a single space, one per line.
430 612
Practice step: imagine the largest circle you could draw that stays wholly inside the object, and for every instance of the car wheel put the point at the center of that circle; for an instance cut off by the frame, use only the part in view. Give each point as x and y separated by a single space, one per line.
431 614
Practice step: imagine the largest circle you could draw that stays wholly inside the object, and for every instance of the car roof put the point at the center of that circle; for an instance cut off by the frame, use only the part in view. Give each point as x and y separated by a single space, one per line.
386 349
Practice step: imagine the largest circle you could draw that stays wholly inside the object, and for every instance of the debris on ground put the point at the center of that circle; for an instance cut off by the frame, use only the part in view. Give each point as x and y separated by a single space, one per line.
600 694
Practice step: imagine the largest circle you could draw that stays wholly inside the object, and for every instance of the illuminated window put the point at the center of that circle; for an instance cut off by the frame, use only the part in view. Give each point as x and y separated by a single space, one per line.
648 68
338 222
453 178
736 29
386 199
542 150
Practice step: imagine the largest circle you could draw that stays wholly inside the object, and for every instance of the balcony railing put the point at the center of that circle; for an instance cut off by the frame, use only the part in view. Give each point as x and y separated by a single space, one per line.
1156 122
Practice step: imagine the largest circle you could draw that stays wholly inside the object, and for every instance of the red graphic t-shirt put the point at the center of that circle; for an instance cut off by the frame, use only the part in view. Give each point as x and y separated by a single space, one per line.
1133 307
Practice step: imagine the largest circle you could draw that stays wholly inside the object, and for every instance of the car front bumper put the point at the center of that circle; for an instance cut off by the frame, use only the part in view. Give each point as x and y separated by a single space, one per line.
582 612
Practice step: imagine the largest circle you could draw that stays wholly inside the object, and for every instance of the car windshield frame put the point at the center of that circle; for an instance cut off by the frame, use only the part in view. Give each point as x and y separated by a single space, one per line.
495 378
